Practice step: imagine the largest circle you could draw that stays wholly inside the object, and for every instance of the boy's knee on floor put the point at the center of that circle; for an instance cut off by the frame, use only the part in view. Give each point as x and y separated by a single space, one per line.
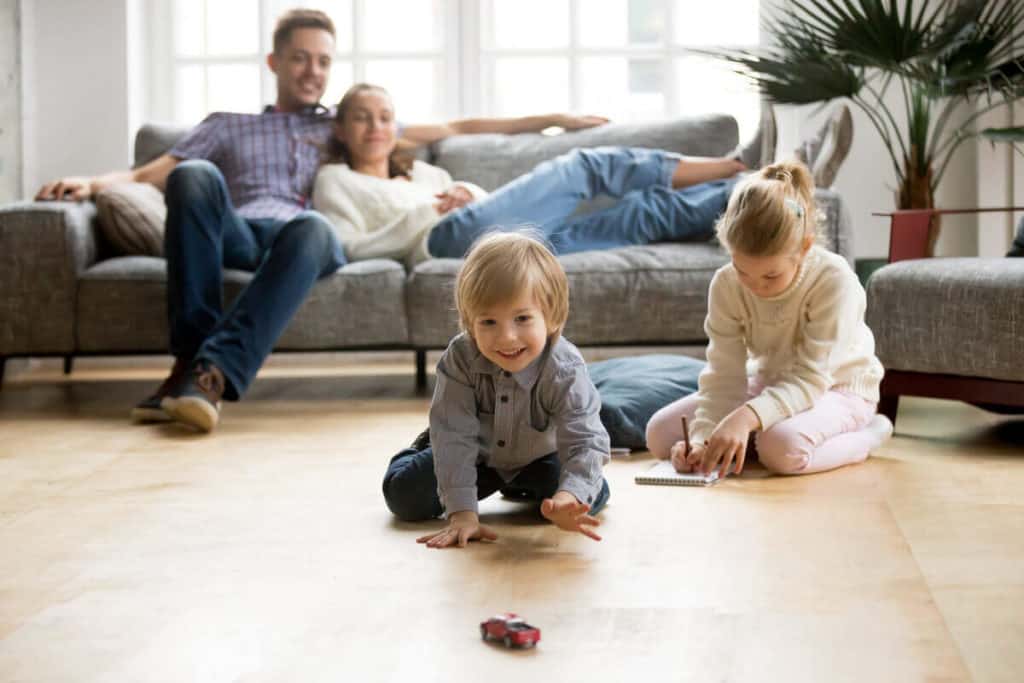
410 497
405 501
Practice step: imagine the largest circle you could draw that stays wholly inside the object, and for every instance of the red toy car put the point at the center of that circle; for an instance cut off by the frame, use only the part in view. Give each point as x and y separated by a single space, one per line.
511 629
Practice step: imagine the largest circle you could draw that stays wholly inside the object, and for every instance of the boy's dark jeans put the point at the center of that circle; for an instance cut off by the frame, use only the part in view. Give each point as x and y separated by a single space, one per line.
410 486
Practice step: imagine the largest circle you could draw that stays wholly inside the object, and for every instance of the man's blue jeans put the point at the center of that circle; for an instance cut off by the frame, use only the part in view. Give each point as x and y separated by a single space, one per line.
649 209
204 234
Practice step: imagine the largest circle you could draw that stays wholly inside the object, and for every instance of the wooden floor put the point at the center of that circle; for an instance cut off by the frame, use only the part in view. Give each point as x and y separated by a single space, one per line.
265 553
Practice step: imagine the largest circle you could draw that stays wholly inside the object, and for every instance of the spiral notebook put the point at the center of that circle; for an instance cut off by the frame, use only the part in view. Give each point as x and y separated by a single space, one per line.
663 474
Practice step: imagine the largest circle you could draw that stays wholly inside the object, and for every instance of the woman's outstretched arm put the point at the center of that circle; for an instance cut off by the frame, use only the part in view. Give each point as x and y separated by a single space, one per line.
425 134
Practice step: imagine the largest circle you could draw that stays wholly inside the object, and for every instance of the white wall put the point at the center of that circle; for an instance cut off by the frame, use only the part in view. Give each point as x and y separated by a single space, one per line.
10 101
76 88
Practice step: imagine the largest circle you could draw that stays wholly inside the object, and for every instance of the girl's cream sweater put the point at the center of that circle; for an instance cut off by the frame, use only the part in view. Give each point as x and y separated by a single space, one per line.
799 344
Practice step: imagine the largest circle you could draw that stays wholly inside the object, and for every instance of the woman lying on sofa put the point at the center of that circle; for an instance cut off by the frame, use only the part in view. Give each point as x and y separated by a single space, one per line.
383 204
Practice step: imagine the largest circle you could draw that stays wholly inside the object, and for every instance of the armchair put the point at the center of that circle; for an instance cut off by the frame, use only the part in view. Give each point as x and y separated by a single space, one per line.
948 328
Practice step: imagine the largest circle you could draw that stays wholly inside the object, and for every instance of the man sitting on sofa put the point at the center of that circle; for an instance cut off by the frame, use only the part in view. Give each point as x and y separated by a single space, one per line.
236 191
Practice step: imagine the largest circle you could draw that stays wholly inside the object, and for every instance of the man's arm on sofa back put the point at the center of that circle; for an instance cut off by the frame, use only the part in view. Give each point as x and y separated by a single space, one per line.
80 188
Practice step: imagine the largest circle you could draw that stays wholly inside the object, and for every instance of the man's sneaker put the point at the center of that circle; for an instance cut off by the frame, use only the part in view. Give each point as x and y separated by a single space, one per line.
760 150
197 401
150 409
826 151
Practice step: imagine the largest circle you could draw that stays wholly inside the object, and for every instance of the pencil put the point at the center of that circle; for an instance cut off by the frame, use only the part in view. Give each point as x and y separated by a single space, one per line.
686 435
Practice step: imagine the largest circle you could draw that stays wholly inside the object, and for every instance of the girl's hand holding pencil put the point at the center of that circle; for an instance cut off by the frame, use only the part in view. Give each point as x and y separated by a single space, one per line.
686 456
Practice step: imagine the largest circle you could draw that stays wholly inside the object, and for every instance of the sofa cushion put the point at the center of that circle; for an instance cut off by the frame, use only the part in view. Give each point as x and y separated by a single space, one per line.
122 307
633 388
492 160
655 294
132 217
958 316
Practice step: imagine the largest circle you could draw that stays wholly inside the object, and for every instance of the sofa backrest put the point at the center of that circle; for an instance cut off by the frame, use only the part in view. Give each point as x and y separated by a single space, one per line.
492 160
153 139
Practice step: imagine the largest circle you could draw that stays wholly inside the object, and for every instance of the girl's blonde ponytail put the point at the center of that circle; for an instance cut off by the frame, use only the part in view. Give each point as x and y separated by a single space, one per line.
771 212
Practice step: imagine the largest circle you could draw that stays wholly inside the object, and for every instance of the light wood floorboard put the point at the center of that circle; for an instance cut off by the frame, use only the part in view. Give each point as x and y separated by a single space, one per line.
264 552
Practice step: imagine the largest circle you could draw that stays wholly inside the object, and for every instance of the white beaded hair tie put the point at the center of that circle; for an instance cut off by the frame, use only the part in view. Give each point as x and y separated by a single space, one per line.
795 206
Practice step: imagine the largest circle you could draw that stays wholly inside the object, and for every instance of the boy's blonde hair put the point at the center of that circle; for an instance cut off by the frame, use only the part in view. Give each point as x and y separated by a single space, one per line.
771 212
501 266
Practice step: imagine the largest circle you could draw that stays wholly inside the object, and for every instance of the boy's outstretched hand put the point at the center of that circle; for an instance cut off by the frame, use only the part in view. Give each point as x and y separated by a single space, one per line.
569 514
462 528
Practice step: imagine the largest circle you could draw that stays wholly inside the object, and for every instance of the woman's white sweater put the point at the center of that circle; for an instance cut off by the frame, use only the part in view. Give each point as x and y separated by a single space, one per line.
383 217
807 340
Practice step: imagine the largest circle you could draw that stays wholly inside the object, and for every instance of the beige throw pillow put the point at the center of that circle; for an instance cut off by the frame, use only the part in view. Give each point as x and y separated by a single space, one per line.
132 218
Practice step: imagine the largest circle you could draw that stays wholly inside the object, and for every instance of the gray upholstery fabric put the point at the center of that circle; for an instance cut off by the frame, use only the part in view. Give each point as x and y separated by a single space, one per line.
835 233
492 160
44 246
651 294
54 298
122 307
153 139
958 316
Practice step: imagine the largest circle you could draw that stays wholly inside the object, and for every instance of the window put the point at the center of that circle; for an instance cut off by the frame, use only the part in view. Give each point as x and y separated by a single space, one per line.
627 59
217 53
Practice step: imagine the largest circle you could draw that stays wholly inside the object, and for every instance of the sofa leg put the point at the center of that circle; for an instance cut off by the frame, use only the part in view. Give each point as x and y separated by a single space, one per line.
889 406
69 364
421 369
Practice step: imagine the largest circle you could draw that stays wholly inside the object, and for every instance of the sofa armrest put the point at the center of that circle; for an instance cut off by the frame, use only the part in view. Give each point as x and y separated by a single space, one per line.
44 247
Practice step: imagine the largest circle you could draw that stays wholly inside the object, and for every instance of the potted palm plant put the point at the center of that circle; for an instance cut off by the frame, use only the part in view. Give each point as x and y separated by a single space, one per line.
936 55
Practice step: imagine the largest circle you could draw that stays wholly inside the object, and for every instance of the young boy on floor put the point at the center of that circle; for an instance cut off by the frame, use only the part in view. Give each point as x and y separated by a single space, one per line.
514 408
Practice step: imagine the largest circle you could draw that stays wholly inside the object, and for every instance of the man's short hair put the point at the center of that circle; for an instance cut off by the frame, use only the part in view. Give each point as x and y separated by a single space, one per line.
503 265
299 18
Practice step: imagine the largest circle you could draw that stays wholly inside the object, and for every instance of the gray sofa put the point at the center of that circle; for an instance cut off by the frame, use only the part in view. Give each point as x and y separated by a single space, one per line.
63 293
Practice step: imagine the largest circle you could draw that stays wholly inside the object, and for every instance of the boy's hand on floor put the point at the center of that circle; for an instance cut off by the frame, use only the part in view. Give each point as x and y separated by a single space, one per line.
462 528
569 514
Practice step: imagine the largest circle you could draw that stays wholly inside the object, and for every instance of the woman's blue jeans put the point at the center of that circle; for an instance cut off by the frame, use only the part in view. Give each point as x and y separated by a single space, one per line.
649 209
203 236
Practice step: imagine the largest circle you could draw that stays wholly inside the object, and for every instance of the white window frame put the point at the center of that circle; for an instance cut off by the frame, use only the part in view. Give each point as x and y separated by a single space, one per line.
666 52
163 62
465 64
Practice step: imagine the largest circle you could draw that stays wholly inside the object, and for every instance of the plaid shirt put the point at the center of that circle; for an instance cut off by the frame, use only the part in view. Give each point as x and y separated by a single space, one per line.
269 160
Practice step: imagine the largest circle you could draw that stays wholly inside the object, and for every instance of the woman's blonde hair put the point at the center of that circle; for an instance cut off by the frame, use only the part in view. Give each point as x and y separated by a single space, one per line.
771 212
500 267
